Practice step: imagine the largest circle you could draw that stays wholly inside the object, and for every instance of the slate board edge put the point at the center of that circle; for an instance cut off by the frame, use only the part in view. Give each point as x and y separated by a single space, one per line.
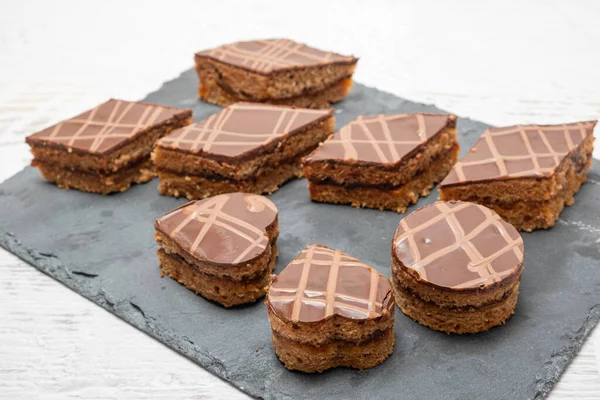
131 313
128 311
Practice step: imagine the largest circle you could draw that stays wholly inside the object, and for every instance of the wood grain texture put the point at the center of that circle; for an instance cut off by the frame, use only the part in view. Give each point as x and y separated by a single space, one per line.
57 345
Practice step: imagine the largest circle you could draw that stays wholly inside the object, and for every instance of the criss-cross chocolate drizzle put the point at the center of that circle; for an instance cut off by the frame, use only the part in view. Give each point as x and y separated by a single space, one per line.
458 245
240 128
225 229
107 126
521 151
381 139
266 56
321 282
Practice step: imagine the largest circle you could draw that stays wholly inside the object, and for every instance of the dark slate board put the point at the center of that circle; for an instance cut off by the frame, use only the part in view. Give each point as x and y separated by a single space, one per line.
102 247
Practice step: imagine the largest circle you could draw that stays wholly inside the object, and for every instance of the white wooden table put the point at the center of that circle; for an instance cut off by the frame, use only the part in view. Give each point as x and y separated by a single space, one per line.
499 62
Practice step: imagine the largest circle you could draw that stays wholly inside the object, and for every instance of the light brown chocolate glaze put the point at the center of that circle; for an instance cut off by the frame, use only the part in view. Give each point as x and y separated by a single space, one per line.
381 139
242 130
459 246
322 282
271 55
107 127
228 229
521 151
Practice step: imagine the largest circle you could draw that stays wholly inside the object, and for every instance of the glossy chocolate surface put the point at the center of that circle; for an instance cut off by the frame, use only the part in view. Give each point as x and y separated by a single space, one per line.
458 245
267 56
521 151
242 128
382 139
321 282
107 127
226 229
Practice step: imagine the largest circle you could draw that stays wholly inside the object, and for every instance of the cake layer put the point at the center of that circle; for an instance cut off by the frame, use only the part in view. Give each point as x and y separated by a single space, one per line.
172 157
361 173
68 178
404 279
308 358
200 187
530 215
222 290
212 92
272 69
336 328
453 320
385 198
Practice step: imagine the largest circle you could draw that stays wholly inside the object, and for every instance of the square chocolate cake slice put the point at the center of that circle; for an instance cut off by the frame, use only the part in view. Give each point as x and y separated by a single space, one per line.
383 161
247 147
105 149
276 71
526 173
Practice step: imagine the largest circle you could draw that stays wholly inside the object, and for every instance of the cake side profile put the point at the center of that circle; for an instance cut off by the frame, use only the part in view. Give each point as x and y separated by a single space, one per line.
384 161
275 71
328 309
247 147
526 173
105 149
456 267
223 248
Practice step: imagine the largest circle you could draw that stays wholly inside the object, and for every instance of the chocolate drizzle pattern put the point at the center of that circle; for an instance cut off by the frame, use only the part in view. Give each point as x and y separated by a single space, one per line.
107 126
381 138
519 151
240 128
321 282
266 56
458 245
225 229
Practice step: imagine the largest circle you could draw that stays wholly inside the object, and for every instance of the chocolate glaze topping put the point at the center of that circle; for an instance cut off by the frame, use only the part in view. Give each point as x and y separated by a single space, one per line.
225 229
521 151
241 129
321 282
107 127
458 245
271 55
382 139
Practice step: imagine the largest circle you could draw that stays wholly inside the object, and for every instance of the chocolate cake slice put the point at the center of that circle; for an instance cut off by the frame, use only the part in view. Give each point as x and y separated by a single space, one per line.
456 267
276 71
526 173
105 149
328 309
383 161
223 248
246 147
